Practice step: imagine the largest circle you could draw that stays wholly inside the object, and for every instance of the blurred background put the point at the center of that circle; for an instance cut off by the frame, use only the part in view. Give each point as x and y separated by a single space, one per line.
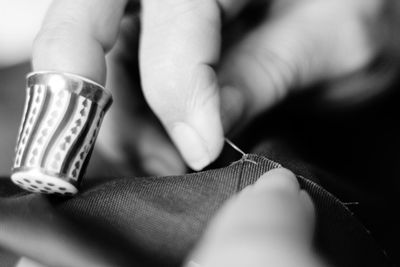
12 97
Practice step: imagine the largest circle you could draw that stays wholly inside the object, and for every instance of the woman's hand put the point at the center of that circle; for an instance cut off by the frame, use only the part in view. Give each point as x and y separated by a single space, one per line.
197 90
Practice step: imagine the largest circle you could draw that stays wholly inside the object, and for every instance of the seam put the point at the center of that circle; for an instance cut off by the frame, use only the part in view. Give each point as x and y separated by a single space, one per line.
239 182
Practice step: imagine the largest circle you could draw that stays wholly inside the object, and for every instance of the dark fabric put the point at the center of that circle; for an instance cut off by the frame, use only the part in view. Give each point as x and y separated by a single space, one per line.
156 221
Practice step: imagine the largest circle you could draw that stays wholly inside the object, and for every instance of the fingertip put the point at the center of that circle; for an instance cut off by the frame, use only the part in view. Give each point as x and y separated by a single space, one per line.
184 94
192 116
279 178
278 173
194 149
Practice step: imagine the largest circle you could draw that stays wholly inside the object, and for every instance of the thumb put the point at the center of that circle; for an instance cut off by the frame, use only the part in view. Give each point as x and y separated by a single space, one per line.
180 41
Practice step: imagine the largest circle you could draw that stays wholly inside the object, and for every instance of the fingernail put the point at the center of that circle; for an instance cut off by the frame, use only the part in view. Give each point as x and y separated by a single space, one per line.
191 146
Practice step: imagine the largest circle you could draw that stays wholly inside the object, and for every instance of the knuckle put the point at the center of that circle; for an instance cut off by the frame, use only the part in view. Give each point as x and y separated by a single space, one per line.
203 88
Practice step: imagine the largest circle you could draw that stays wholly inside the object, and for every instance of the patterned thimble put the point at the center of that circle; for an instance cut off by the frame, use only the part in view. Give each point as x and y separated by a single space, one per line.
61 119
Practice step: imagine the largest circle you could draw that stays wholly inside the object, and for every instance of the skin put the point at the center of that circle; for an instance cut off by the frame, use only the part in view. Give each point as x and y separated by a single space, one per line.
197 88
261 226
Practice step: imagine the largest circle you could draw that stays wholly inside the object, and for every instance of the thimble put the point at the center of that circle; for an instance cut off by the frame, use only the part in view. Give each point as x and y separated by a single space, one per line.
61 119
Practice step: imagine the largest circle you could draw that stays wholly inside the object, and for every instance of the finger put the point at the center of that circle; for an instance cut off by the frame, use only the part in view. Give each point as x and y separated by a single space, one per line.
131 138
264 222
179 43
276 180
295 48
261 69
75 36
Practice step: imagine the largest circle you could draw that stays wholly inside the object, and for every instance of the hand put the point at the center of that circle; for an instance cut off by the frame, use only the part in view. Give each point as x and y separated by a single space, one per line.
260 226
297 44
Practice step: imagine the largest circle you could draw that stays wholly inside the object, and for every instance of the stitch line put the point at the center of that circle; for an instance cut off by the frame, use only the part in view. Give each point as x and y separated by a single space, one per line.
239 182
245 156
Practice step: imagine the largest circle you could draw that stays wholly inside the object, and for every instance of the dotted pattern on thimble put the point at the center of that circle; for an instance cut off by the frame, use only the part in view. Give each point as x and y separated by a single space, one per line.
38 182
58 130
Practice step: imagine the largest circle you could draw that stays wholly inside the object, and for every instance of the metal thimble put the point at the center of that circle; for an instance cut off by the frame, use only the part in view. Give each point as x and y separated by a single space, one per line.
61 119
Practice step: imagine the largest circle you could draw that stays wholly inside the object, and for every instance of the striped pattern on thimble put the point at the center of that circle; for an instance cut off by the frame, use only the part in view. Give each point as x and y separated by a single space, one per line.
61 119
